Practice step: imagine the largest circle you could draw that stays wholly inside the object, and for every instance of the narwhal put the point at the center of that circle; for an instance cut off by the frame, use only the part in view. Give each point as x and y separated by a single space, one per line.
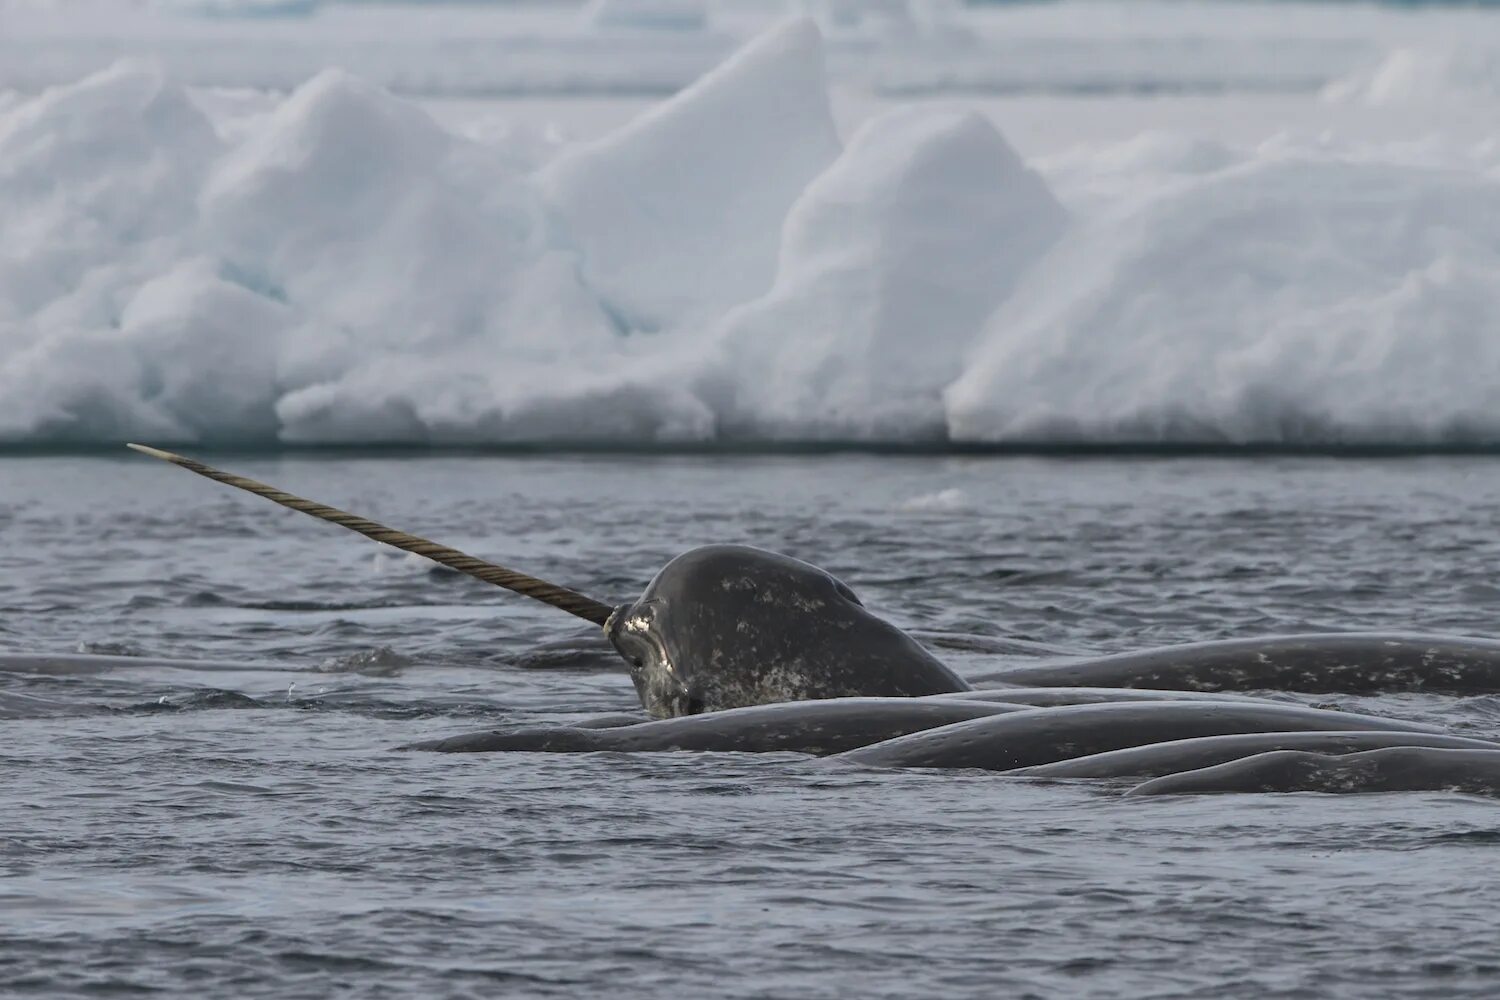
720 627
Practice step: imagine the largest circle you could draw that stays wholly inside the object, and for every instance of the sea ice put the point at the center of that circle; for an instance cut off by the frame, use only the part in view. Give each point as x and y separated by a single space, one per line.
677 214
1295 297
890 261
335 265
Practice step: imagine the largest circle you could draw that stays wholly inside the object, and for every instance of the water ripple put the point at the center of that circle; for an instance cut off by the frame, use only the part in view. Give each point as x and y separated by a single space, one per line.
241 828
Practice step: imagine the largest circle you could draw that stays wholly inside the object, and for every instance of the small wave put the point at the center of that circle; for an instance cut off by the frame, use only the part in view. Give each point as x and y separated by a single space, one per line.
947 501
371 605
365 701
20 705
381 661
107 648
1478 838
587 654
92 664
205 699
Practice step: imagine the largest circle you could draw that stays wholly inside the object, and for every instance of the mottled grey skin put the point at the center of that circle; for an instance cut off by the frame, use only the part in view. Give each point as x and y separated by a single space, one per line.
1396 769
726 626
1158 759
1053 696
1045 735
1352 663
811 727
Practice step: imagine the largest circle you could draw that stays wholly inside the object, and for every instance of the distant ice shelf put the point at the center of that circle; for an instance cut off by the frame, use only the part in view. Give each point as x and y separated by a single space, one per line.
335 266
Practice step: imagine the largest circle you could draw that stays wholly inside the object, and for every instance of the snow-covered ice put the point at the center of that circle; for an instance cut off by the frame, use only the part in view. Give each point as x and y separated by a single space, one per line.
678 212
334 264
1416 75
890 261
1294 296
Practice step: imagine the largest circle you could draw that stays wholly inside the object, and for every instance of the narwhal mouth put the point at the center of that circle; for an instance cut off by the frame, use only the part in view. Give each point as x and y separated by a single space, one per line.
671 699
613 621
680 705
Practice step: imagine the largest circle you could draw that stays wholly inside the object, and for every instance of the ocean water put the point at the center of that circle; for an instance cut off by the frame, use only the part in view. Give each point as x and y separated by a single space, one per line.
243 827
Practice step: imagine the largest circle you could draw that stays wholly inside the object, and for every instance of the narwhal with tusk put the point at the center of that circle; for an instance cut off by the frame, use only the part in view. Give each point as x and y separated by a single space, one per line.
722 626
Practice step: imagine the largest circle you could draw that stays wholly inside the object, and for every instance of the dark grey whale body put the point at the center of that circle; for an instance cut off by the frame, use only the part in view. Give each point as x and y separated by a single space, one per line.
1055 696
1352 662
726 626
610 721
1045 735
1157 759
1395 769
812 727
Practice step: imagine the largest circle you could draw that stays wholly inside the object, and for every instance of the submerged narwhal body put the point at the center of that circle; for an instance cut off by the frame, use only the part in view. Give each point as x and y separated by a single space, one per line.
728 626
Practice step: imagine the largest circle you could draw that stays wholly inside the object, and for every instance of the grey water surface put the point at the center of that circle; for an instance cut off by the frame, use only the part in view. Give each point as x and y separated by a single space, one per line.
242 828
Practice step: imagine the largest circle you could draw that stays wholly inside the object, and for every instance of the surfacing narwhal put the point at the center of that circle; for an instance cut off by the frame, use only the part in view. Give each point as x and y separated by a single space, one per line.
722 626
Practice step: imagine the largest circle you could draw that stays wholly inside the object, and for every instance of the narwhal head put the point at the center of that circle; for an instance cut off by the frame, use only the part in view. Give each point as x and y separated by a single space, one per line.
725 626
